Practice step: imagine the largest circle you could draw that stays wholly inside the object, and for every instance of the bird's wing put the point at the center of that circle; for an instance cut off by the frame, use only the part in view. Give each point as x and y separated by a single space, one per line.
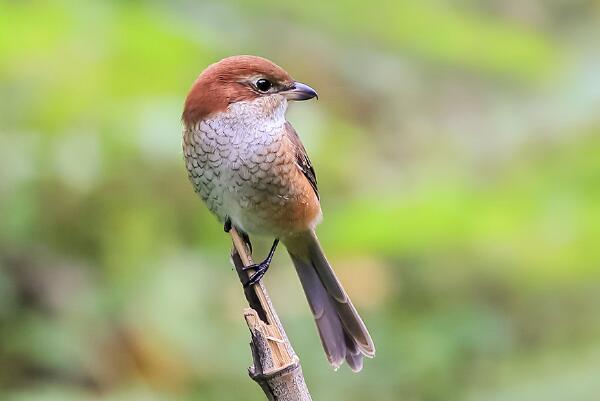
302 160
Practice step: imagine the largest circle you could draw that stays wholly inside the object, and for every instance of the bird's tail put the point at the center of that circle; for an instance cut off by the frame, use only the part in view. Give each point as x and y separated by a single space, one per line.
342 331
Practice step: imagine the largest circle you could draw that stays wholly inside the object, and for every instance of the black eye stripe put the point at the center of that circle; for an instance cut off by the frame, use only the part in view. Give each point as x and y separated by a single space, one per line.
263 85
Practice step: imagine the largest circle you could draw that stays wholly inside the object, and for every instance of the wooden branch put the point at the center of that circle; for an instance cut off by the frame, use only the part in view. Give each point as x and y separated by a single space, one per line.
276 367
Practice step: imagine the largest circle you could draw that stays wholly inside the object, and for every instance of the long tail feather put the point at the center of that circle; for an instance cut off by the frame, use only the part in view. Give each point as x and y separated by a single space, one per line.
342 331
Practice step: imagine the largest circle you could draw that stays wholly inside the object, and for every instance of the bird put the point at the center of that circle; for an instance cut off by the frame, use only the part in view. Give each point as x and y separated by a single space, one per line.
248 165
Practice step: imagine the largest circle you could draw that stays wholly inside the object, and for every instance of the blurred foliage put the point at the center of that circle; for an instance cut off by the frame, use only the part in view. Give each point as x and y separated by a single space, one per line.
457 146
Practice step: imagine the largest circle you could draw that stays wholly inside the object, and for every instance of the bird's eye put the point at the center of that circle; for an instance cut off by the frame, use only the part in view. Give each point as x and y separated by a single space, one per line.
263 85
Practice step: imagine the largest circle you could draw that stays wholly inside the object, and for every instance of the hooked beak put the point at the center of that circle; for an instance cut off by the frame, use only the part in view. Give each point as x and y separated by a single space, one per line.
300 91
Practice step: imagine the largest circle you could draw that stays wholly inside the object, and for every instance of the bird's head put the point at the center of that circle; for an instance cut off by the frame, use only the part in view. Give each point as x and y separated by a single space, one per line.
238 79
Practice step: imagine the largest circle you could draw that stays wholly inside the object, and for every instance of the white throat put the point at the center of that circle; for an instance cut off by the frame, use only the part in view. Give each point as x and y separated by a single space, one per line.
264 116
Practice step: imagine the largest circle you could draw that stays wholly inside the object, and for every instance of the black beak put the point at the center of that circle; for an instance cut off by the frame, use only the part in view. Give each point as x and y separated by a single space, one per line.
300 91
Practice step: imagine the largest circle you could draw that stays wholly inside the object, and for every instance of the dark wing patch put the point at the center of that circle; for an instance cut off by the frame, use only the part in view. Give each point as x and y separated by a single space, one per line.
302 159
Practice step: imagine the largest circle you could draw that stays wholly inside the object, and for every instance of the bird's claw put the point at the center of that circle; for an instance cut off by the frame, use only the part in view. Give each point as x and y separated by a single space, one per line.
259 271
260 268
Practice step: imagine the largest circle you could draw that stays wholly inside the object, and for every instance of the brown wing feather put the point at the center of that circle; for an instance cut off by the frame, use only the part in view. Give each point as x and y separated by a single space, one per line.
302 159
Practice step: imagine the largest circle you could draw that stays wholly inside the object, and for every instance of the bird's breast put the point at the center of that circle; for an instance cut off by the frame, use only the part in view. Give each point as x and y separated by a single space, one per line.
247 172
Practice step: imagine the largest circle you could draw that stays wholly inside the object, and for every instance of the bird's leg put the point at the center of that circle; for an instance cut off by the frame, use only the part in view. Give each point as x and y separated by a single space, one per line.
246 239
227 228
260 268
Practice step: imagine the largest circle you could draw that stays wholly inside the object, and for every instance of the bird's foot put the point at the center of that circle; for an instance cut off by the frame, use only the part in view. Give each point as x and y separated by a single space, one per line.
227 225
260 268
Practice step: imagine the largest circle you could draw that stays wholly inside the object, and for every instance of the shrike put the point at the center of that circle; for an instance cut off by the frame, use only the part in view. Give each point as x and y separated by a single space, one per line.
249 166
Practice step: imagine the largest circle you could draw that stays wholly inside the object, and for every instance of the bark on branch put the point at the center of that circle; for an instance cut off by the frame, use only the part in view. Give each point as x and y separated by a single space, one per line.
276 367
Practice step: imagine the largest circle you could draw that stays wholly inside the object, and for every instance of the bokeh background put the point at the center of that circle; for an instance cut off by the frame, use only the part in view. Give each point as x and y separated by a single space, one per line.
457 148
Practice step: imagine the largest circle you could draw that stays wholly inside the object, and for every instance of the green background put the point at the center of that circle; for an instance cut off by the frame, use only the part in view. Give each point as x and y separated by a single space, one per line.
457 149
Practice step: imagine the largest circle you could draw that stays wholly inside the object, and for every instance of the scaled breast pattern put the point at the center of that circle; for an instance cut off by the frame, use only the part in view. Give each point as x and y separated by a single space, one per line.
238 164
